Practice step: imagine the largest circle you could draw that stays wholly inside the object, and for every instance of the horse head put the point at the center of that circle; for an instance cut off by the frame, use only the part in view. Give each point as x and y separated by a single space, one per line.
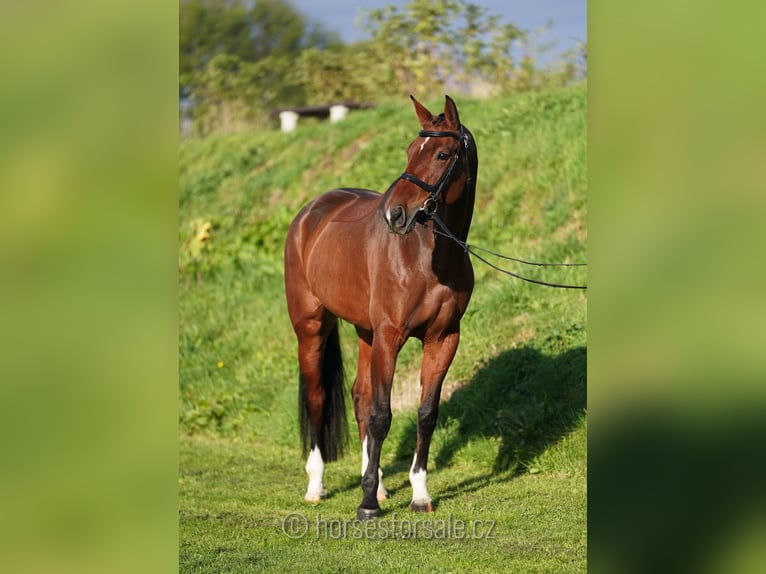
438 170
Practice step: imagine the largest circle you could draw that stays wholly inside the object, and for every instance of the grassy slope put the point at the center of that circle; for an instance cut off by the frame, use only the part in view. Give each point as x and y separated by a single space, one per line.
510 444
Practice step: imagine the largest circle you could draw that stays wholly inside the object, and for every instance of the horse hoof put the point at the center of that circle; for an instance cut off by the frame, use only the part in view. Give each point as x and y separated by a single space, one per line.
367 513
383 496
421 506
314 497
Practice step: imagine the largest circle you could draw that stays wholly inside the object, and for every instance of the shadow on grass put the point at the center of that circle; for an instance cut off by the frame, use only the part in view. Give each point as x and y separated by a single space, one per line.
525 398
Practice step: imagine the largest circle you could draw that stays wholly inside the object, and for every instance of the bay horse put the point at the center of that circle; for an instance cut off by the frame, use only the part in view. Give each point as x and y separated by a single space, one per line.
377 262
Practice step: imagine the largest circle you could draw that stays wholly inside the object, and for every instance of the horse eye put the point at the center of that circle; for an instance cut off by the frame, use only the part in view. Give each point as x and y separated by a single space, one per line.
442 155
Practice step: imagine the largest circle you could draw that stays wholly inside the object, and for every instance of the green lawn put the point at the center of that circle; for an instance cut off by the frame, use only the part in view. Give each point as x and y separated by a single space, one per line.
509 452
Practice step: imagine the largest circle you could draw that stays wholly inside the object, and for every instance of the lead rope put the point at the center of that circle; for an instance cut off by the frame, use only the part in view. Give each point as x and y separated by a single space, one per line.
470 249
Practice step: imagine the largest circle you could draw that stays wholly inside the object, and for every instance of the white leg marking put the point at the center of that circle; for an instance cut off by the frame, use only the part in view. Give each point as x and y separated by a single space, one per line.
315 470
365 456
382 493
424 143
418 482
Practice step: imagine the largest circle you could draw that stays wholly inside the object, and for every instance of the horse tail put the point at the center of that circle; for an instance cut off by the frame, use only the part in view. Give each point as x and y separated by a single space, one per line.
333 433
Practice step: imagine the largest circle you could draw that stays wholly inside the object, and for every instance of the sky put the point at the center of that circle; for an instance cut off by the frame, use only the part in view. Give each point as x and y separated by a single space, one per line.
568 29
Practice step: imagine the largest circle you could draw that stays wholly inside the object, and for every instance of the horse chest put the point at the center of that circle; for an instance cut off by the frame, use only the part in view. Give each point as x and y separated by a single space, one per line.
418 311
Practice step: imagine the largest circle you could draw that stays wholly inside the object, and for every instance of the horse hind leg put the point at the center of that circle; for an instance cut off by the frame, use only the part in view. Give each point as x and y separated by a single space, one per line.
311 410
362 394
315 469
322 409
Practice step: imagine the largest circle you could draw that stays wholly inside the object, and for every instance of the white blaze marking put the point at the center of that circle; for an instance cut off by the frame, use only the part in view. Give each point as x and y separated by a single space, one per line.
418 482
424 143
315 470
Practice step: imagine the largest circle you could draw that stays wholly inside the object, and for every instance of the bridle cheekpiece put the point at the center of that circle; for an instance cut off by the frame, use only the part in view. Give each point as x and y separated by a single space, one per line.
435 190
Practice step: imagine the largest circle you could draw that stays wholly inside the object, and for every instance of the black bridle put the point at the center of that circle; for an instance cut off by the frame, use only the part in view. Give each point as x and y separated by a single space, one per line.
428 209
435 190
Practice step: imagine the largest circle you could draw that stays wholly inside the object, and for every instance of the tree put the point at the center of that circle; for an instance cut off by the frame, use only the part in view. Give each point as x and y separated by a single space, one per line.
240 60
438 43
269 27
234 59
211 27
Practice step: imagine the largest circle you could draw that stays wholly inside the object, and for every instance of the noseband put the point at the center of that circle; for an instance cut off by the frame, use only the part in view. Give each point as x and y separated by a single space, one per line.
435 190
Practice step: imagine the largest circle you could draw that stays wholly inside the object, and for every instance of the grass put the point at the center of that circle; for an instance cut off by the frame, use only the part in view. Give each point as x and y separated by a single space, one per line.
236 496
510 443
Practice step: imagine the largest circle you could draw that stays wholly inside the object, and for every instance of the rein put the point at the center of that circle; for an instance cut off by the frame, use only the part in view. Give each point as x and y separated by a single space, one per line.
470 249
429 210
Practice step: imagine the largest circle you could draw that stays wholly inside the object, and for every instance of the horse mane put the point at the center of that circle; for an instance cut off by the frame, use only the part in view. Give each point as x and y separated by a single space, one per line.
473 156
473 167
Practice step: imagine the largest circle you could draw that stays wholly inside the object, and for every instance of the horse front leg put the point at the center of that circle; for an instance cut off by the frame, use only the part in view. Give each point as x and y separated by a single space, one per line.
385 347
437 357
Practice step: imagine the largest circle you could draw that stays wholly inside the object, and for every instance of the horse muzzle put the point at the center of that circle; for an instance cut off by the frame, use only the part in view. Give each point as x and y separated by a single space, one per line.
399 221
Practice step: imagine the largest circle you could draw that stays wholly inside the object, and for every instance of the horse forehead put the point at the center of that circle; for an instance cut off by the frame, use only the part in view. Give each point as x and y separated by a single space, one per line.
422 142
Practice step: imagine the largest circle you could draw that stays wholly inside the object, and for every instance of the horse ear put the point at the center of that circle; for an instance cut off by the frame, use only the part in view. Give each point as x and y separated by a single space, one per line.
450 113
424 116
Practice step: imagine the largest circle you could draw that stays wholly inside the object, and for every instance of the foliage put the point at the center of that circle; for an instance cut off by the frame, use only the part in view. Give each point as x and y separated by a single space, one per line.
443 42
193 244
235 60
240 64
233 95
208 28
424 46
251 31
358 72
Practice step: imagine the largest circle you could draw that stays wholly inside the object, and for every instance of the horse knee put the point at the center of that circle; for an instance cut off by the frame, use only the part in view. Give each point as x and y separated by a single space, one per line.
427 416
380 422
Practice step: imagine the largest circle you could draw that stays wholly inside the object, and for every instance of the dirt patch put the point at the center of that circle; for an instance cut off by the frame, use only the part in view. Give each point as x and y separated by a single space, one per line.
405 393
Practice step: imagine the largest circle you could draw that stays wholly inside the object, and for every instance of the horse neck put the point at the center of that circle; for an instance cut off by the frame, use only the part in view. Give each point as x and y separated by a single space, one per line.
458 215
457 218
